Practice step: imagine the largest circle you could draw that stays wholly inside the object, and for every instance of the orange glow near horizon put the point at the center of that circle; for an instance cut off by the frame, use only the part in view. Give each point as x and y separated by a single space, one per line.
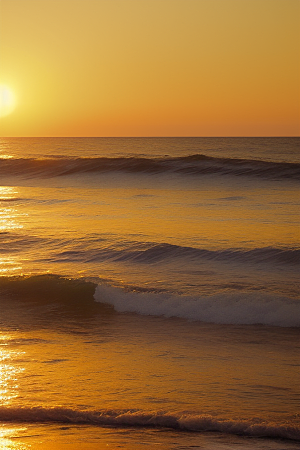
151 67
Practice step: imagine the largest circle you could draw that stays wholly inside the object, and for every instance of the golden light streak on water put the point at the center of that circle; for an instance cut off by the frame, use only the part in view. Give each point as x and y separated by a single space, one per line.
9 390
6 156
8 437
9 215
5 152
9 265
9 371
9 221
7 192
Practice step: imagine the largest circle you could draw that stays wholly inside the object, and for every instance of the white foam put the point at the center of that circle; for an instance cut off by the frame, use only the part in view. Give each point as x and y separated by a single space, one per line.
233 308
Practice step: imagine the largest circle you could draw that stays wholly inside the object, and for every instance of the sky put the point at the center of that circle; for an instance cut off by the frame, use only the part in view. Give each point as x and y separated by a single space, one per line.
150 67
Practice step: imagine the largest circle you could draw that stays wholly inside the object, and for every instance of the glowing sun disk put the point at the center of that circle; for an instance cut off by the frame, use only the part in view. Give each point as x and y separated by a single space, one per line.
7 100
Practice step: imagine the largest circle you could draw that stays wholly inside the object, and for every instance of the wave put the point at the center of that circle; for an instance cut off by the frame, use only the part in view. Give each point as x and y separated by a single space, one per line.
14 242
48 288
228 307
137 418
101 249
224 308
155 253
188 165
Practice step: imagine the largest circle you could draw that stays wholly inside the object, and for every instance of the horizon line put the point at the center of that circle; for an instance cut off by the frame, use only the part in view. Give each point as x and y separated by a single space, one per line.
149 137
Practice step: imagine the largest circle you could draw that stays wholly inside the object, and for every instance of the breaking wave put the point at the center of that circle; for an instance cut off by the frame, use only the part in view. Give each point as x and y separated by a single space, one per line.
228 307
189 165
224 308
136 418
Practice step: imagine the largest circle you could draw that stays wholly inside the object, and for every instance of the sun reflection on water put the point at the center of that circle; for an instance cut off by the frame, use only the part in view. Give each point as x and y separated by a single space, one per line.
9 390
9 222
9 219
8 214
9 373
8 436
9 265
7 193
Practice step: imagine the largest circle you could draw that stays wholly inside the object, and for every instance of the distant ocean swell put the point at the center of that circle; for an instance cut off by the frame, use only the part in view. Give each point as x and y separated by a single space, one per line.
102 249
161 252
134 418
195 165
244 308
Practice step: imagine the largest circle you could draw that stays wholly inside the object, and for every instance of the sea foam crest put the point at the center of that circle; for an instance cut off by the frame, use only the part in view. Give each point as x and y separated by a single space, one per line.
136 418
223 308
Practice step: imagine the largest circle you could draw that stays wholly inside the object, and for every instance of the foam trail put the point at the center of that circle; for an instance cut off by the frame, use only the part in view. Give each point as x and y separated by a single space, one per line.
242 308
136 418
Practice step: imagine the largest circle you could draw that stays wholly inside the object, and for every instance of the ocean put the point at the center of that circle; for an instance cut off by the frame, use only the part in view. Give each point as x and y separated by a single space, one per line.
149 293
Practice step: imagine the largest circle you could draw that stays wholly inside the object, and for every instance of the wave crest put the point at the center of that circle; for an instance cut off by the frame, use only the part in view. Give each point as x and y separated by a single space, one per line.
154 253
225 308
228 307
48 288
188 165
136 418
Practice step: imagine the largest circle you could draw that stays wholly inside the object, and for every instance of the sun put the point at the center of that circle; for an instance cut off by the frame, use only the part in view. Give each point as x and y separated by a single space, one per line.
7 100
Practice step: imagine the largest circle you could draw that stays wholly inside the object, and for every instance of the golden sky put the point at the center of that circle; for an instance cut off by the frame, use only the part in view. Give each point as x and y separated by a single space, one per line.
150 67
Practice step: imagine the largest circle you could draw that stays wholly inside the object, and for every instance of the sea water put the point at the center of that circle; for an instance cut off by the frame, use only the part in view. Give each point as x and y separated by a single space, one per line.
149 293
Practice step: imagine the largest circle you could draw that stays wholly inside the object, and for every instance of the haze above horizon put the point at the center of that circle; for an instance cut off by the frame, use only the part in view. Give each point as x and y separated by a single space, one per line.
150 67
